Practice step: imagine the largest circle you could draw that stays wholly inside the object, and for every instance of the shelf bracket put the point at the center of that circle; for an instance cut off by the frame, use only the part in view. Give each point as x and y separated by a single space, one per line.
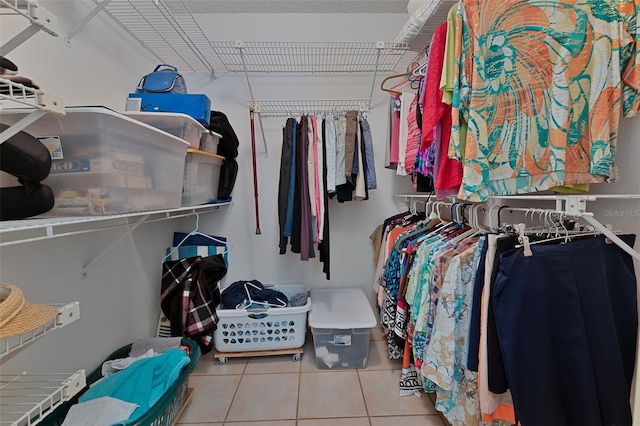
21 124
239 44
77 27
130 229
40 18
68 314
379 47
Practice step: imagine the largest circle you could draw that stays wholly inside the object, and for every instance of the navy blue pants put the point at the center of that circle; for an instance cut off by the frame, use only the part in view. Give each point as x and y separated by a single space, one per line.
567 324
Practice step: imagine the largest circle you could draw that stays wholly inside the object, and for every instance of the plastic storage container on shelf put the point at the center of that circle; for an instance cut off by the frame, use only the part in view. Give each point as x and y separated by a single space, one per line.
341 320
201 177
181 125
244 330
107 163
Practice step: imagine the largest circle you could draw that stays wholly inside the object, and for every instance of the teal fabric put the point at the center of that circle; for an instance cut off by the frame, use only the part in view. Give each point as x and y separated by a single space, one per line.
143 382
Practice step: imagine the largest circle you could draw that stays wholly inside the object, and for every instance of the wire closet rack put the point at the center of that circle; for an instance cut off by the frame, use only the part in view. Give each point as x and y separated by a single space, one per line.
310 57
291 107
167 29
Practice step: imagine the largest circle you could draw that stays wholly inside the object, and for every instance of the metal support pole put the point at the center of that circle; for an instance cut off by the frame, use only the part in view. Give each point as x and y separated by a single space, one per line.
240 45
255 171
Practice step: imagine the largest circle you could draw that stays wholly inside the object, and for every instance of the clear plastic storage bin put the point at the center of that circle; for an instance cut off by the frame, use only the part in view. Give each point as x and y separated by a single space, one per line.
180 125
201 177
341 321
244 330
107 163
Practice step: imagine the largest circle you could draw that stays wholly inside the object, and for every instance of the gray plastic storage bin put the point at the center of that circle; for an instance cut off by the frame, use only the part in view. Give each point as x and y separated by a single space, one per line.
341 321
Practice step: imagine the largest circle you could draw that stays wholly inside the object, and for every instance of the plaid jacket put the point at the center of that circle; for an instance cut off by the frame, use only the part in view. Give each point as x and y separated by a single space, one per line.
189 296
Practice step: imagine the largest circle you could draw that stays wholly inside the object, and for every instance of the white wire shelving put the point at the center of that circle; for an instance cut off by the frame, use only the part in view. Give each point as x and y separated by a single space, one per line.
167 29
27 399
40 19
13 94
292 107
309 57
23 231
66 315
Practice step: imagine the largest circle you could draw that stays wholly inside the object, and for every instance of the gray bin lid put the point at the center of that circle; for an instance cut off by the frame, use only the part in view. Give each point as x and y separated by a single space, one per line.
340 308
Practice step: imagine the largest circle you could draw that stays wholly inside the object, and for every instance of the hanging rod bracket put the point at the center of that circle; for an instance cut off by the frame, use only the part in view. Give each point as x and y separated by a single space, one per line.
576 206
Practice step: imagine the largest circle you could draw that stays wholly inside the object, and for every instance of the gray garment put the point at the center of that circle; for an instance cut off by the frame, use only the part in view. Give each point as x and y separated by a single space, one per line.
330 142
367 140
99 412
112 366
341 179
158 344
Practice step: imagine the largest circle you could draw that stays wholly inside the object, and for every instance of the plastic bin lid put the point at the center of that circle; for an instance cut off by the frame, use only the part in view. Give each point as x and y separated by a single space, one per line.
340 308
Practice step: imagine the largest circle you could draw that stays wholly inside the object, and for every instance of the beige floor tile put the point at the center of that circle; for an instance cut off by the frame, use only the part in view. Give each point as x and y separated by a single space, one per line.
428 420
211 398
207 365
381 393
351 421
272 364
379 357
308 364
266 423
330 394
265 397
377 333
200 424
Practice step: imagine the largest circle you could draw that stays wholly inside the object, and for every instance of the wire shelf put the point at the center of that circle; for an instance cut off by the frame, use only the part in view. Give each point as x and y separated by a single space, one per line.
290 107
27 399
66 314
310 57
167 29
16 93
32 11
29 230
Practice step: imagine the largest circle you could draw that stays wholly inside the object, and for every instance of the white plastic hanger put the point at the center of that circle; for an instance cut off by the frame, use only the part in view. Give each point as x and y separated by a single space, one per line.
282 304
228 247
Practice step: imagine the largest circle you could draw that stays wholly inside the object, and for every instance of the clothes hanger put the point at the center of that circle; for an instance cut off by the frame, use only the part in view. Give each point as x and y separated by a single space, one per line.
281 304
391 77
228 247
421 227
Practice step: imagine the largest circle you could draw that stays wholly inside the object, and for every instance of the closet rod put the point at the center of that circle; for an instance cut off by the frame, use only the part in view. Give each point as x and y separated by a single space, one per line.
575 206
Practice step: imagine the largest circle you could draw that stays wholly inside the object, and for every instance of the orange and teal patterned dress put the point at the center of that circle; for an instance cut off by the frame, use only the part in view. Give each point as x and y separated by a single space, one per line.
541 85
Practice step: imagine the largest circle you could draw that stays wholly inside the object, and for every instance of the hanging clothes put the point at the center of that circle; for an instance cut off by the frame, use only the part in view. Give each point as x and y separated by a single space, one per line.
286 161
527 132
573 305
448 173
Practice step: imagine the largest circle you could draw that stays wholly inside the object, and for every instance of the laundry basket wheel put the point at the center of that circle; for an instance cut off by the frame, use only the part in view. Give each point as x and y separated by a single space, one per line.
296 357
223 360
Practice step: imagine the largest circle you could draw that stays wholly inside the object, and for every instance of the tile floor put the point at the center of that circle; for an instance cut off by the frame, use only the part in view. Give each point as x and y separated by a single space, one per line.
275 391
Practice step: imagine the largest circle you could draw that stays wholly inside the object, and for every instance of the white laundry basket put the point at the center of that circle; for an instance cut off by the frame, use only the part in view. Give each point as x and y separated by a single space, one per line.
244 330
